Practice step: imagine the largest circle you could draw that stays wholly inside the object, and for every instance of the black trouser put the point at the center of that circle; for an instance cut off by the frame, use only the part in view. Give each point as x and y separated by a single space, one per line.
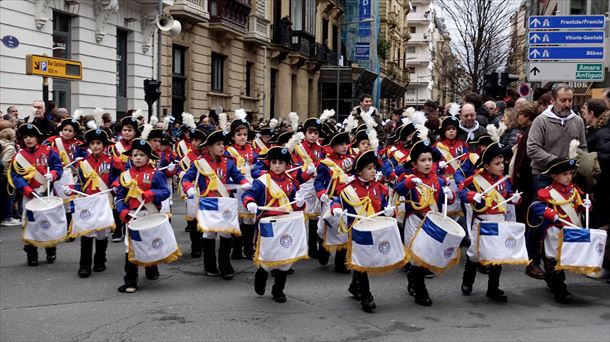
248 239
120 225
470 274
32 251
361 281
312 240
131 272
195 236
534 238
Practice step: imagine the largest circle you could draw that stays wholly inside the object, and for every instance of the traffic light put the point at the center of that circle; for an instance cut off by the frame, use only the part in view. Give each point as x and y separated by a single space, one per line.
491 85
505 80
152 91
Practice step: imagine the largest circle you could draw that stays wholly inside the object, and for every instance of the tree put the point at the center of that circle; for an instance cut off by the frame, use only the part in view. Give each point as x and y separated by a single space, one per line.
482 35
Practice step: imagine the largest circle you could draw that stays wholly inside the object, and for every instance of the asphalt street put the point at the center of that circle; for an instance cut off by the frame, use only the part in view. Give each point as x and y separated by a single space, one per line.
50 303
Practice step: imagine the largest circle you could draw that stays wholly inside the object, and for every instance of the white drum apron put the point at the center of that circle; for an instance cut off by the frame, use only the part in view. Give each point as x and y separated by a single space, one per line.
375 246
501 243
45 222
152 241
333 237
91 214
581 250
218 215
282 240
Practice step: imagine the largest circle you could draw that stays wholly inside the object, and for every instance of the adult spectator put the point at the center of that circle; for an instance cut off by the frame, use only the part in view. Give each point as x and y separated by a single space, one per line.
500 108
597 116
61 114
366 106
12 110
544 102
40 120
492 110
519 103
51 107
394 122
551 133
481 110
470 128
7 152
513 131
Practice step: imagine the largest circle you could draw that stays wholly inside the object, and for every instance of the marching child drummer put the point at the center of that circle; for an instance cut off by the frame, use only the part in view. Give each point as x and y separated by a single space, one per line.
165 162
96 173
486 192
32 169
273 189
424 191
207 177
559 201
363 196
142 186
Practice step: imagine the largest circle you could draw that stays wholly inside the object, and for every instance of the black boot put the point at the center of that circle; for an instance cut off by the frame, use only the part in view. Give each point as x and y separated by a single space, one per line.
224 258
421 292
260 281
86 249
340 266
493 285
209 258
32 254
367 303
559 288
236 250
548 273
354 287
51 254
278 286
151 272
117 234
312 241
99 259
248 241
323 254
470 273
130 278
410 281
195 237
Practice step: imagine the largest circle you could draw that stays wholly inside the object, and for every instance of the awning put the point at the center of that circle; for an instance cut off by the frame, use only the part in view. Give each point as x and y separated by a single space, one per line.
391 89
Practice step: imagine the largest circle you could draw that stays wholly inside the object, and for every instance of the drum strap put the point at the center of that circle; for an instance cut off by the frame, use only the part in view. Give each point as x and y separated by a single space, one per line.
28 171
94 181
278 196
298 148
338 175
185 163
214 183
183 148
258 142
239 159
135 192
566 206
481 184
447 155
63 155
362 206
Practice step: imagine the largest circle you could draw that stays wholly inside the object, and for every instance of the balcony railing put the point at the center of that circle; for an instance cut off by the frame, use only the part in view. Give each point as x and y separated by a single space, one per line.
229 14
282 33
190 10
258 31
302 42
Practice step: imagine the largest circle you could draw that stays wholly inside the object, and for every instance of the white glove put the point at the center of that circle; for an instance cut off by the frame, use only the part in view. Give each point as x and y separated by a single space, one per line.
67 190
556 218
477 197
442 164
181 174
324 198
587 203
349 179
311 169
48 176
246 186
447 192
115 189
516 197
388 211
252 207
91 124
171 167
416 180
190 193
300 202
337 212
378 176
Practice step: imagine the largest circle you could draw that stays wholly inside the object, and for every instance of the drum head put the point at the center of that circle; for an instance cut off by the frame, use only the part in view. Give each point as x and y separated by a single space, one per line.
148 222
291 216
44 203
377 223
448 224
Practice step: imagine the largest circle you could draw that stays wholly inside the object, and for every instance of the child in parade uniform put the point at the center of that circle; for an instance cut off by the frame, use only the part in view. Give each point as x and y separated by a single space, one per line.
245 158
165 162
489 170
332 172
207 178
183 146
363 196
66 145
467 168
450 147
273 189
96 173
31 169
262 142
417 187
140 183
560 200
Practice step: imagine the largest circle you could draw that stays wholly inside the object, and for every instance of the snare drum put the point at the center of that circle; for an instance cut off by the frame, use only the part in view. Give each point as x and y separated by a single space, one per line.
246 216
91 214
501 243
334 238
581 250
45 222
282 240
375 246
191 208
218 215
152 241
436 243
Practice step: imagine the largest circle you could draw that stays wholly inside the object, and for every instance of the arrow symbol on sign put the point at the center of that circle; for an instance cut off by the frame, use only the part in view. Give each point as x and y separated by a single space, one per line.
535 22
535 53
535 71
535 38
545 53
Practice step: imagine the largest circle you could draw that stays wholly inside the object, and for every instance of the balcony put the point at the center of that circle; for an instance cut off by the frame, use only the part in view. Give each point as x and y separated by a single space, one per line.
422 38
229 15
418 17
302 42
282 33
194 11
258 30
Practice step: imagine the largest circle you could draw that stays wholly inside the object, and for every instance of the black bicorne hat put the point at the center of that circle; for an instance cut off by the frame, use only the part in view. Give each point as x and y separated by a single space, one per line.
144 146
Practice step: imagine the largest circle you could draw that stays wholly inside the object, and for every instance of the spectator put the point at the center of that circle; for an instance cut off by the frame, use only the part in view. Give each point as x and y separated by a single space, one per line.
38 118
519 103
482 114
61 114
470 128
513 131
51 110
597 116
366 105
500 108
8 151
544 102
12 110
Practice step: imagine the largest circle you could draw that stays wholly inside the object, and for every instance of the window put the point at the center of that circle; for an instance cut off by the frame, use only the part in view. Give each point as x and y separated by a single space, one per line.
412 29
600 6
414 9
303 15
336 38
249 70
217 72
411 49
325 25
411 70
578 7
178 80
61 49
410 91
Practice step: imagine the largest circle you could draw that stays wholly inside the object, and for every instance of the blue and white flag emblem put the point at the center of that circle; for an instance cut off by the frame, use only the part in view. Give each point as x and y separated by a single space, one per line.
376 246
436 243
218 214
502 243
282 240
581 250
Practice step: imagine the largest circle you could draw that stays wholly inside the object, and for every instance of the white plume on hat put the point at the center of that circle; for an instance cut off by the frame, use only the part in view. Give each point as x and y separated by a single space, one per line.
240 114
188 120
165 124
273 123
146 131
368 120
418 118
137 113
421 131
295 140
350 123
496 132
454 109
373 140
327 114
294 120
77 114
98 113
223 122
573 150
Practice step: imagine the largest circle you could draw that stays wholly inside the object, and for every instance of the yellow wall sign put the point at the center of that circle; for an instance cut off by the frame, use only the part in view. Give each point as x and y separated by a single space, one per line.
53 67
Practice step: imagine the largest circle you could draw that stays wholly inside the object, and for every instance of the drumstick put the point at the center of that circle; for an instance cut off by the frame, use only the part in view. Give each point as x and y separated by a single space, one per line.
568 223
234 186
38 196
48 183
135 215
293 169
507 200
445 207
165 167
379 212
456 158
356 216
587 213
495 184
281 207
80 193
75 160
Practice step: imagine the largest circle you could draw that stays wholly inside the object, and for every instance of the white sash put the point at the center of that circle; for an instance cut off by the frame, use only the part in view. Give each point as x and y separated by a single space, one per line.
119 147
87 169
480 180
447 155
61 148
21 160
567 208
152 209
207 169
275 189
300 150
261 145
240 160
183 147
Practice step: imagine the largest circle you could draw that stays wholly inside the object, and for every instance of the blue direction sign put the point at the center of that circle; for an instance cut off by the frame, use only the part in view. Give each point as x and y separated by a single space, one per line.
541 22
574 37
567 53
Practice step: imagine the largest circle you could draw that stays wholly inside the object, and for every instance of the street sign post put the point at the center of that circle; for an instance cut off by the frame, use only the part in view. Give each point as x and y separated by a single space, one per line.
53 67
568 37
544 22
563 72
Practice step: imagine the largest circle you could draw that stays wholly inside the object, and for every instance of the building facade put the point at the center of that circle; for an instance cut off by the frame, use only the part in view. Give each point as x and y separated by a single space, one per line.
419 52
114 40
